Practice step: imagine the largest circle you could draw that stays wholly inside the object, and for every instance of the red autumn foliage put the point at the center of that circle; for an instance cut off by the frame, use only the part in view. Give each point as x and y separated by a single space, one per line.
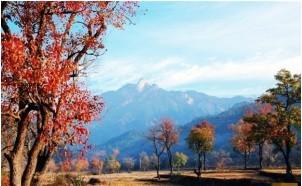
97 164
241 140
169 135
46 47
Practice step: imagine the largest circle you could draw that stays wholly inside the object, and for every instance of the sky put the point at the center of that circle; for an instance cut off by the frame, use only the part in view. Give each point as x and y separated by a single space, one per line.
218 48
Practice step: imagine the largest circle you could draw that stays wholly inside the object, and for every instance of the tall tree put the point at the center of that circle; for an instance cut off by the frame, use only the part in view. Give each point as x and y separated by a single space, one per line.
241 140
154 136
286 101
260 131
169 136
46 46
200 141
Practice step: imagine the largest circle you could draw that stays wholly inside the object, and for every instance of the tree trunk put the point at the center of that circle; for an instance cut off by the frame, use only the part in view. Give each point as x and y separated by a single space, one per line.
158 167
15 171
33 154
15 159
30 168
198 171
42 165
245 159
170 161
260 155
204 161
289 173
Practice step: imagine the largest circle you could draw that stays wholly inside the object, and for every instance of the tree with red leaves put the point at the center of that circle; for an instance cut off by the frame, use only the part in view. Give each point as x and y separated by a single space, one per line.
46 47
169 135
201 140
261 127
241 140
154 135
97 164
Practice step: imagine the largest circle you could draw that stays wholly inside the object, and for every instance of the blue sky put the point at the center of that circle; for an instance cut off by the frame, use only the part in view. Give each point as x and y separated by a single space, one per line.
219 48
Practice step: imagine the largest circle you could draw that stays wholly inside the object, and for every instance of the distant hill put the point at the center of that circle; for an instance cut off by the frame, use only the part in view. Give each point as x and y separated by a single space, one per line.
138 106
133 142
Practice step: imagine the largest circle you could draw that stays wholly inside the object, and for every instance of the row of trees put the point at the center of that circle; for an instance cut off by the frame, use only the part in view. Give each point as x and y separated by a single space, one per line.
165 134
276 120
111 164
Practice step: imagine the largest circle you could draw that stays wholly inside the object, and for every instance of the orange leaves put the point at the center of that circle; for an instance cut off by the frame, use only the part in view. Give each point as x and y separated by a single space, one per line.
13 59
43 56
265 108
81 164
168 132
201 137
97 164
242 133
103 4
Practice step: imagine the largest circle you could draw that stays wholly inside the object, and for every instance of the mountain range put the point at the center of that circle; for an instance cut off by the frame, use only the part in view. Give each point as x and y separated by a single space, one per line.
133 142
133 108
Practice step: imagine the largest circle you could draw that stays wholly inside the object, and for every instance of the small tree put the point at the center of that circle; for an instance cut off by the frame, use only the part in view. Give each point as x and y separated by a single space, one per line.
200 141
169 137
144 161
153 161
154 135
81 164
97 165
179 160
65 156
242 141
65 166
222 159
52 166
113 165
129 163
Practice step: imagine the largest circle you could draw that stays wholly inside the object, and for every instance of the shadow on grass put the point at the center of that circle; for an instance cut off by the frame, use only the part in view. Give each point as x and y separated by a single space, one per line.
279 177
194 181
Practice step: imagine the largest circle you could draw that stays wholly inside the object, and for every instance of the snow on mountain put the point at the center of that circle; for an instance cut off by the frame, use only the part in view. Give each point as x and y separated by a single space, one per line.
141 85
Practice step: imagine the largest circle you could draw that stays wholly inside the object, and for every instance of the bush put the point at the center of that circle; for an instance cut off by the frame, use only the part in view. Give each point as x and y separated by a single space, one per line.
113 165
61 180
81 164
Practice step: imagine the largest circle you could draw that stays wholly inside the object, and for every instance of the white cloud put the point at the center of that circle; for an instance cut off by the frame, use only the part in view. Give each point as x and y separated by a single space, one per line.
244 31
247 44
172 73
254 69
